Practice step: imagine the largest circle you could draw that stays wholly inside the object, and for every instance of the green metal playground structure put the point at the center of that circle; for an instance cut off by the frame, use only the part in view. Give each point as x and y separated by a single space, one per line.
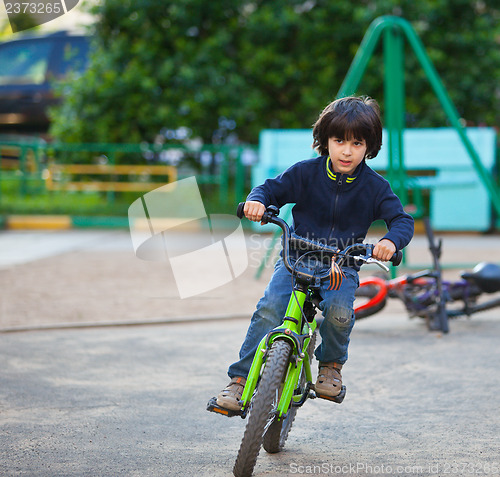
393 31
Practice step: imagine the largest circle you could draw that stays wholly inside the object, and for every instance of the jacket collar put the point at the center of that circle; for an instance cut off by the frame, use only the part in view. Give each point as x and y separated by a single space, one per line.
335 175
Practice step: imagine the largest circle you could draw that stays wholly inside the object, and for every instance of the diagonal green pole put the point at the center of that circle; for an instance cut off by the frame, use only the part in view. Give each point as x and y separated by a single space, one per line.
362 57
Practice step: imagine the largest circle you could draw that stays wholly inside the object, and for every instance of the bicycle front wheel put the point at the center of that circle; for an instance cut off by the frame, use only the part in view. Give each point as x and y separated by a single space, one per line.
277 432
262 408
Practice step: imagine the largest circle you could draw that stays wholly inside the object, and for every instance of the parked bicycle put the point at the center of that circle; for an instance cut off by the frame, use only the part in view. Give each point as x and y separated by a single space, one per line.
426 295
280 378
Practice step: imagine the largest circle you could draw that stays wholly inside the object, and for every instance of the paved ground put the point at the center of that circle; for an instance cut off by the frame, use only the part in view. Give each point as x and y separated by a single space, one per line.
80 277
131 400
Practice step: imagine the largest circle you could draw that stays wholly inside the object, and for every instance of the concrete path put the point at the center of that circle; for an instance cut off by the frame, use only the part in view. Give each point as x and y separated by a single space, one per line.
131 402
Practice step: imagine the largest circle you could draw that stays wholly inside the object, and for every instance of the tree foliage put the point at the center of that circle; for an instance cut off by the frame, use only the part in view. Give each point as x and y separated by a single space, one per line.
227 69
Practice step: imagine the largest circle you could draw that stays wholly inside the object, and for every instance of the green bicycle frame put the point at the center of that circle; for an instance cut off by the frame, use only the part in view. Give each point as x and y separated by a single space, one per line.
293 327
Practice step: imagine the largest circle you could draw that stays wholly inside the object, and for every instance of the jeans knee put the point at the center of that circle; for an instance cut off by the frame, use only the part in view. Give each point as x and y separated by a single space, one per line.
339 316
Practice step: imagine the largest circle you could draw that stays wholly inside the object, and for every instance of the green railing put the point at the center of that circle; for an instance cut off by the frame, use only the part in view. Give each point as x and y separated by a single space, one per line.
222 169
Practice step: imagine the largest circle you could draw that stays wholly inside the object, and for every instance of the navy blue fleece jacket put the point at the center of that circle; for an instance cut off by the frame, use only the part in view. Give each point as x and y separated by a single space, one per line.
336 208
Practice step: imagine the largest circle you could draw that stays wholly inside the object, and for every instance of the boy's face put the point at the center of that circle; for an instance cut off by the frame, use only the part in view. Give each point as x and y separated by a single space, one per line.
346 154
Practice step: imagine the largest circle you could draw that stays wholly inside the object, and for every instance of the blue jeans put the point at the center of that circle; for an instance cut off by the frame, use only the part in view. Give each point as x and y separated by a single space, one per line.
337 308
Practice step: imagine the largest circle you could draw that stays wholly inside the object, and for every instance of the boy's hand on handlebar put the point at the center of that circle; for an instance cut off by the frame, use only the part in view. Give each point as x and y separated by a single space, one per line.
384 250
254 210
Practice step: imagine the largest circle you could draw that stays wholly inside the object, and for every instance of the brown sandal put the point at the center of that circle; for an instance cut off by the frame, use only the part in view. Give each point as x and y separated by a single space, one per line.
329 382
230 396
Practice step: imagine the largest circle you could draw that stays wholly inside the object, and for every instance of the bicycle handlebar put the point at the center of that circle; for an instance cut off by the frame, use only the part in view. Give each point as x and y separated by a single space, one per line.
397 258
297 242
239 211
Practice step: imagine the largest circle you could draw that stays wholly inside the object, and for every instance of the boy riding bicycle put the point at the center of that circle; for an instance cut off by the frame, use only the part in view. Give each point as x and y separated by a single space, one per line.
337 197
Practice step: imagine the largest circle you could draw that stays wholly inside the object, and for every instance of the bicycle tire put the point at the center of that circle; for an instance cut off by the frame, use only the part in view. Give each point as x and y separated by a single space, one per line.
368 291
361 314
277 433
262 407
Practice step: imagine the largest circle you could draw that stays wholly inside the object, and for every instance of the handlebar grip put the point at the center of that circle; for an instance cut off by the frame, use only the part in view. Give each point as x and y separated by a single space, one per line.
396 258
239 210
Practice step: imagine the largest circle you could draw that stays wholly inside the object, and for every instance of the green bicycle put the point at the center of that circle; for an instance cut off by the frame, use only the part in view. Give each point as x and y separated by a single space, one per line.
280 378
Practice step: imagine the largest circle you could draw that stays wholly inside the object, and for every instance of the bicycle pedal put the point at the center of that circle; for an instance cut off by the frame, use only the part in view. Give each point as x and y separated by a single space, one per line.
213 407
338 399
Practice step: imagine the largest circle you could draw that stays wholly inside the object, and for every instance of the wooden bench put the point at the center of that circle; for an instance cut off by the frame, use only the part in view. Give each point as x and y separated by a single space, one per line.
56 175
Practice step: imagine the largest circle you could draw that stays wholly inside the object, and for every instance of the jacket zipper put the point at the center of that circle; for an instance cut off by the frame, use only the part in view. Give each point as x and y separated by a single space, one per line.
335 206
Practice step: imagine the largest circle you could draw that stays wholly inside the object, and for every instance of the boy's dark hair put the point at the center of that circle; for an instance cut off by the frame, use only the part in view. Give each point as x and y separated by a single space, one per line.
349 118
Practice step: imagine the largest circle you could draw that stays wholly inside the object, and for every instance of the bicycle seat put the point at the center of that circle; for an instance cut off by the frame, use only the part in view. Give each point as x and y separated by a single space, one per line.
486 276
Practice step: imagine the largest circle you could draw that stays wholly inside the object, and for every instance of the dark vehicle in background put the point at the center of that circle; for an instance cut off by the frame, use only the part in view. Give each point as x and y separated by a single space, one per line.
29 66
